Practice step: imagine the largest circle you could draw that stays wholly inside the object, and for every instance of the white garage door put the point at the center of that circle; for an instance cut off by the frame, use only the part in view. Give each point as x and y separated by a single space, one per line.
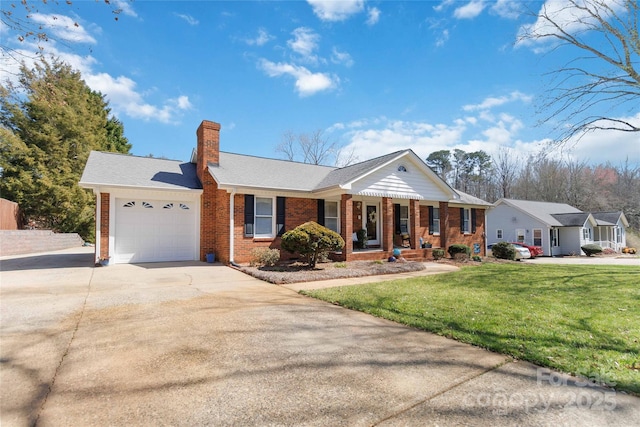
153 231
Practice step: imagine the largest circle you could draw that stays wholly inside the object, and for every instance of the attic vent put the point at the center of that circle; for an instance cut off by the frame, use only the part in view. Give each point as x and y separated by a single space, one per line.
514 219
183 206
147 205
168 206
402 168
129 204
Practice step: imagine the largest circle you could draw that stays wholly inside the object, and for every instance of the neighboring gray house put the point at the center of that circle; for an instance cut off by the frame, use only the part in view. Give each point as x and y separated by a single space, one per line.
559 228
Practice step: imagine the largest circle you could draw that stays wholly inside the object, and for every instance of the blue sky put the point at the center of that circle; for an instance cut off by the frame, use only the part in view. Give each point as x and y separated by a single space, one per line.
374 76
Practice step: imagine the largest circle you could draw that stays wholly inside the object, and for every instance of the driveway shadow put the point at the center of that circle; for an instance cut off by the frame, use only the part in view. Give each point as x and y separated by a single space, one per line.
47 261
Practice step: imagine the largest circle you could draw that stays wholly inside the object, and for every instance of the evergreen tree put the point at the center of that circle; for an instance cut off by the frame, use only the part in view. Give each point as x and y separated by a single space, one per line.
50 122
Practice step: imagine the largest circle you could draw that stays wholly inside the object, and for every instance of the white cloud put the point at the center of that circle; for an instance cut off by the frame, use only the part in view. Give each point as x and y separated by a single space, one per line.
492 102
188 19
304 42
332 10
261 39
126 8
443 5
442 38
567 16
307 83
510 9
121 91
63 28
470 10
338 57
373 16
124 98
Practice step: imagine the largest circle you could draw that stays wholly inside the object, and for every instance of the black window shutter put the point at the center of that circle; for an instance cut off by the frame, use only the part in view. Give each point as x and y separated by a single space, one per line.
396 217
321 212
462 220
280 214
473 220
430 219
248 215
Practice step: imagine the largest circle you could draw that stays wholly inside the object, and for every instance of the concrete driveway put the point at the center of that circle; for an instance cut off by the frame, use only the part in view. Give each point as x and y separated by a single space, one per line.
201 344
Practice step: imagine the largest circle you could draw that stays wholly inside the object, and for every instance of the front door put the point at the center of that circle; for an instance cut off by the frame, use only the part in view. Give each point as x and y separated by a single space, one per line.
372 224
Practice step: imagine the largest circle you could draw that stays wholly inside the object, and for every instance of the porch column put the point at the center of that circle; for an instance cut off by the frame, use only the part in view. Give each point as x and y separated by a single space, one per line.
444 224
414 223
346 225
387 224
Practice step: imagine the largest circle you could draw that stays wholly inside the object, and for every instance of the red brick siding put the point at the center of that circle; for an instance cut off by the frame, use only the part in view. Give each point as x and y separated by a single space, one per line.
208 139
454 236
349 214
104 225
209 214
297 212
387 224
423 229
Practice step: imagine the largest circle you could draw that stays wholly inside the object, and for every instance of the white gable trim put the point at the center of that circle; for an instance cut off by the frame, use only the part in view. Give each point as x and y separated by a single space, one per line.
373 184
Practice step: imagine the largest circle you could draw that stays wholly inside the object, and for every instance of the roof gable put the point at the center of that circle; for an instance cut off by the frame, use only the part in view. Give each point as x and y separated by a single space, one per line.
125 170
610 218
401 174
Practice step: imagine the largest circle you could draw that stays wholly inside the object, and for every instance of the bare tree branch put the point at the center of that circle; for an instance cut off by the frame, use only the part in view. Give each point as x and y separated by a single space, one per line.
585 92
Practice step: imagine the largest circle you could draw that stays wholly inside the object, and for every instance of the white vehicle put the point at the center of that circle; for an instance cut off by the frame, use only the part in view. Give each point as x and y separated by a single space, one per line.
521 251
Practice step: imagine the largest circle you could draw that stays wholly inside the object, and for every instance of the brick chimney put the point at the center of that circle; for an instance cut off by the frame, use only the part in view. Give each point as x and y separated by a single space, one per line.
208 147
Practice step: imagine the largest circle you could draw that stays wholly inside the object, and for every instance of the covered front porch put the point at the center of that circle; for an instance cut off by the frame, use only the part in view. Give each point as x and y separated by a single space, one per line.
389 224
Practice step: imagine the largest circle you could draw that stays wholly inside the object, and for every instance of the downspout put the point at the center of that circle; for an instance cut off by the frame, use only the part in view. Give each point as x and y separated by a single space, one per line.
231 225
96 254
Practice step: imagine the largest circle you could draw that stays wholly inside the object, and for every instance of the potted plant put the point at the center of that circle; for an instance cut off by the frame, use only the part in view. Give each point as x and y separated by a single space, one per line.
361 243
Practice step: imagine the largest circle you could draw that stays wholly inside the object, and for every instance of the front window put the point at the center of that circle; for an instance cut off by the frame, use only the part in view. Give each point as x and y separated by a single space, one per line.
436 221
404 219
555 237
466 221
586 233
520 235
537 237
331 216
618 234
264 217
498 234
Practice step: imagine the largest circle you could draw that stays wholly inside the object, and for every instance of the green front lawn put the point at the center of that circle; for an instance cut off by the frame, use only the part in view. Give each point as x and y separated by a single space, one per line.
582 320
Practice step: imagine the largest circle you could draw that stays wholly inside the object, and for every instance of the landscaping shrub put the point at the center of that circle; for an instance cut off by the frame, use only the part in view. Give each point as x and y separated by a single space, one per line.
504 250
591 249
476 258
459 249
264 257
311 240
438 254
631 251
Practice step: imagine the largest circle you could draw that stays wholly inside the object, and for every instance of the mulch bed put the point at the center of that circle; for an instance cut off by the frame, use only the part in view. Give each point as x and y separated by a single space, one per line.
298 272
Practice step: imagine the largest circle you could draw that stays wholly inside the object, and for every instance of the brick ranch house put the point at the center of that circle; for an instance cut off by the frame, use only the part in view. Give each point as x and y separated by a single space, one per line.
151 210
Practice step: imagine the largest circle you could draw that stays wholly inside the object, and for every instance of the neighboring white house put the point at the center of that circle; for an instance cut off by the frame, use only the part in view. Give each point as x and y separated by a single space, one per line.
560 229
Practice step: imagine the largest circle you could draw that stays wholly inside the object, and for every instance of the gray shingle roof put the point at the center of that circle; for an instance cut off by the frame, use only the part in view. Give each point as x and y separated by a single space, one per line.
572 219
607 218
468 199
249 171
125 170
543 211
349 173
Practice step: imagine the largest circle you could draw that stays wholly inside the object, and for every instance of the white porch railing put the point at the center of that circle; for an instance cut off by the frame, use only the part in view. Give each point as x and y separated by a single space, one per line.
609 244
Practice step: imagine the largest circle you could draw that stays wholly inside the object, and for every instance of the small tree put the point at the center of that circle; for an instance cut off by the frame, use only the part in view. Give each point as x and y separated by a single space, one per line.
504 250
591 249
311 240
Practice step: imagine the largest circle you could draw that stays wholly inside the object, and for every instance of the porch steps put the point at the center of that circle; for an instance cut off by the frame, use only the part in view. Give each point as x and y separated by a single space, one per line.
17 242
